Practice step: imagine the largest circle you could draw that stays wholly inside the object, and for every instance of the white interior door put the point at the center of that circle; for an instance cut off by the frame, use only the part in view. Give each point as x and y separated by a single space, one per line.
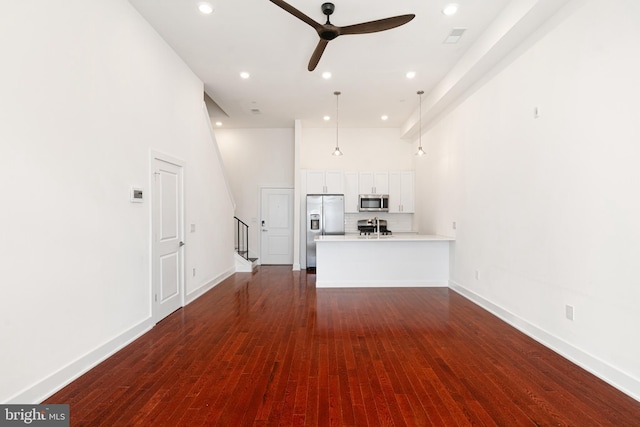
167 220
276 242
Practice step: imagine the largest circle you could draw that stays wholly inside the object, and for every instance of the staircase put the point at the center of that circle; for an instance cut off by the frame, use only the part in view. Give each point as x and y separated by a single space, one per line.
244 262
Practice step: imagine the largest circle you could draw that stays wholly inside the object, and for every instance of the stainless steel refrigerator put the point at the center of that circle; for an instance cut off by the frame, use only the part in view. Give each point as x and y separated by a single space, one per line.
325 216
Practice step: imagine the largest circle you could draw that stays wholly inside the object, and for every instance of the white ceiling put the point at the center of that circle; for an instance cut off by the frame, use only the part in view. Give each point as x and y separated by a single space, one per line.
274 47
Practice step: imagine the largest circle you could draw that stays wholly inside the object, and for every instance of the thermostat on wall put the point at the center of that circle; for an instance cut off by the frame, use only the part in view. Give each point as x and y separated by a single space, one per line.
137 196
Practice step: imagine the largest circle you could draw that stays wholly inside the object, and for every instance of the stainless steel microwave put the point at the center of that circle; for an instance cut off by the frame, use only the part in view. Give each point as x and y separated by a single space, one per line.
373 203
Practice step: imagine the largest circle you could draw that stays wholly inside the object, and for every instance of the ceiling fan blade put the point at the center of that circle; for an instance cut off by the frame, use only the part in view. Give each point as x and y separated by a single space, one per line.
378 25
295 12
315 58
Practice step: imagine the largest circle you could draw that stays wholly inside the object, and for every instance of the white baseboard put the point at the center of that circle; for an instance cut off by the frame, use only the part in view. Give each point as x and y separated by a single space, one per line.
56 381
590 363
194 295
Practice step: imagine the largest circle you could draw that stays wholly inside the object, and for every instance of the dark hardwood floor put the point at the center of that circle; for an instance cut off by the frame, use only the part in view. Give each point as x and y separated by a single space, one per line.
269 349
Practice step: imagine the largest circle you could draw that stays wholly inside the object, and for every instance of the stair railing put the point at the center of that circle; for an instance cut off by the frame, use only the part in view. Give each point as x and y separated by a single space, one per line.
242 238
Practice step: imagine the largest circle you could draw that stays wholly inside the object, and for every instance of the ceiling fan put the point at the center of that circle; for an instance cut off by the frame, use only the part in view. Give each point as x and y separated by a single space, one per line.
328 31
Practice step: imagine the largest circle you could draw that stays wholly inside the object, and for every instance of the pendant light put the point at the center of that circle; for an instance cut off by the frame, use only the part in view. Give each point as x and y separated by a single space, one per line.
337 151
420 150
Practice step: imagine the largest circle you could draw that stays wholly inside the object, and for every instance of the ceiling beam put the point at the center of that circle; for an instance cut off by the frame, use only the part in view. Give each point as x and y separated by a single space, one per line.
519 25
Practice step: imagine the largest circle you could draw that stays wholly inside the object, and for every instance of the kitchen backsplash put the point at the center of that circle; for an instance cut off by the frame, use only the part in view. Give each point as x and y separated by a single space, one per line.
397 223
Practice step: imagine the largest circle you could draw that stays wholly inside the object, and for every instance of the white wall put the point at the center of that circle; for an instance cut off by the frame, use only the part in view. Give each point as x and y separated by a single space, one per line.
547 208
365 149
255 159
88 90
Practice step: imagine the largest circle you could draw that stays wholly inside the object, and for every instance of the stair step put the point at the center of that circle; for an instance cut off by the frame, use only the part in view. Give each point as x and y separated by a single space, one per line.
244 254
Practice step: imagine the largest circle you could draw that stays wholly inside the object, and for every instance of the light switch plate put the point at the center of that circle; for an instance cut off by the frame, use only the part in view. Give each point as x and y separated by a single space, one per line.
136 195
569 312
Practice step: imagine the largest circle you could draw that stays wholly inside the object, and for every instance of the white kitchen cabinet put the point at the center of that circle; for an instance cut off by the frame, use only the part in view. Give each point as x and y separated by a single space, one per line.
324 182
315 182
333 182
402 192
391 261
373 183
351 192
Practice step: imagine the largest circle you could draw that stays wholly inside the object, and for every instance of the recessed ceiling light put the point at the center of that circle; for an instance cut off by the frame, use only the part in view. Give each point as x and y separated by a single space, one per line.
205 8
326 118
385 117
245 75
411 74
218 123
450 9
326 75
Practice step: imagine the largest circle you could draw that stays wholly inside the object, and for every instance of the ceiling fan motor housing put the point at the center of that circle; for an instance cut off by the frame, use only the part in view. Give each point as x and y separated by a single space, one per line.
328 8
328 33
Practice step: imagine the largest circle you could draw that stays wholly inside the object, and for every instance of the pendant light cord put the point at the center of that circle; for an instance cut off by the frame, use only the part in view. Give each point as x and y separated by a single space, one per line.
337 151
337 94
420 150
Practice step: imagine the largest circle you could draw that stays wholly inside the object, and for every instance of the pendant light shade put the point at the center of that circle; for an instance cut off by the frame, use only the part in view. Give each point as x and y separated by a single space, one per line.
337 151
420 152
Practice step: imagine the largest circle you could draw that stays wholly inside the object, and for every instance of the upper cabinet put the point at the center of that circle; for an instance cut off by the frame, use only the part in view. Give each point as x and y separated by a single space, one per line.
324 182
400 186
373 183
333 182
402 192
351 192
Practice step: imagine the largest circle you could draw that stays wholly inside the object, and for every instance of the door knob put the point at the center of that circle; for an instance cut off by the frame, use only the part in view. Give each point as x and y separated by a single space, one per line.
181 244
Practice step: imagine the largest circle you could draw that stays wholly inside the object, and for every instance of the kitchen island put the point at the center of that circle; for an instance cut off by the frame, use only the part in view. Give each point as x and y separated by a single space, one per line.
386 261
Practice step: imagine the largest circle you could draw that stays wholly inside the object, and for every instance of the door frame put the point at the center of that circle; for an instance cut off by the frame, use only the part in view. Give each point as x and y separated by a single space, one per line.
154 282
293 208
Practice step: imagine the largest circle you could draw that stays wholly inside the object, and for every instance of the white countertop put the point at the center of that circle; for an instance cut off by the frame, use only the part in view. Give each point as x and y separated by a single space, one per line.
391 238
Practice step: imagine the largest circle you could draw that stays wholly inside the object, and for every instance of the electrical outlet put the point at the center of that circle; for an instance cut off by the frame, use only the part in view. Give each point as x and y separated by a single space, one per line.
453 225
568 311
193 228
